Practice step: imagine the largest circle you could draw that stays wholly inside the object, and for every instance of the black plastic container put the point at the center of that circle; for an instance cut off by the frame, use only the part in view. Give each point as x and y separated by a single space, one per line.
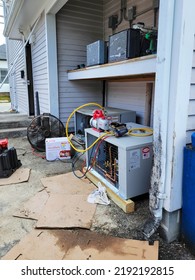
8 162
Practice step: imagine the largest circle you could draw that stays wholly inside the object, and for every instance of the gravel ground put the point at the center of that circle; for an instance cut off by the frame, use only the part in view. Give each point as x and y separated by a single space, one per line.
109 219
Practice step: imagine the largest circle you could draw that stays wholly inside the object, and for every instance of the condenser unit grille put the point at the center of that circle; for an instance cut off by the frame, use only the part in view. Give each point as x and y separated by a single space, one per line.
106 162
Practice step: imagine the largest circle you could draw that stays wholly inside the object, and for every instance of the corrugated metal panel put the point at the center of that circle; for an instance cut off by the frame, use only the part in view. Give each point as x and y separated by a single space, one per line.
128 95
79 23
18 88
39 64
112 7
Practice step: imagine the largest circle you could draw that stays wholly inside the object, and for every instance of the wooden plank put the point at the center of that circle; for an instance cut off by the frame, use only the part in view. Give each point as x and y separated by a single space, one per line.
134 78
145 65
148 101
128 206
122 62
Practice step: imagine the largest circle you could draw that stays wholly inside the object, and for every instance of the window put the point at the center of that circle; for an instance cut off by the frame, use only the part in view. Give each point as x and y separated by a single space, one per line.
3 73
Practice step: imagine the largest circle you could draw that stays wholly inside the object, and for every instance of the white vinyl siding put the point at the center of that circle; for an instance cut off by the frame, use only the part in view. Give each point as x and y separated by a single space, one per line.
79 23
40 70
18 88
191 108
130 96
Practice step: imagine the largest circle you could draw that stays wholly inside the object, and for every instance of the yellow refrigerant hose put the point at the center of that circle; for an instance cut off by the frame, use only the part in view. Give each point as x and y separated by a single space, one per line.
67 123
146 131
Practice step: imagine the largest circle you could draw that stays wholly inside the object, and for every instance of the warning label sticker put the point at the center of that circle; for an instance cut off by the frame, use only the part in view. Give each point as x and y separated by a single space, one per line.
145 153
134 159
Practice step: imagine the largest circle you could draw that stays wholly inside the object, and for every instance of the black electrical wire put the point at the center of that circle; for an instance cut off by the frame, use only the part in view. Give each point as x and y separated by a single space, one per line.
77 158
90 158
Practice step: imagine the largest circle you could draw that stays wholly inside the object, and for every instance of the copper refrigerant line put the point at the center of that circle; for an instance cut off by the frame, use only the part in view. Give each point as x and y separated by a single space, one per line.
111 174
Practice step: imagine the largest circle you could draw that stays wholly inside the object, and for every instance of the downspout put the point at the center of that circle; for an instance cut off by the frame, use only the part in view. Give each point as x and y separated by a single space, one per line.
161 109
21 51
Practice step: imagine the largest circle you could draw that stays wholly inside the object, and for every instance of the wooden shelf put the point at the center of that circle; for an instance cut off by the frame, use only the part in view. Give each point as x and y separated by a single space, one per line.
137 68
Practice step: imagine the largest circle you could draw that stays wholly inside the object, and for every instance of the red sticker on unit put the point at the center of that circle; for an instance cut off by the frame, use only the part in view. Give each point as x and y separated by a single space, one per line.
146 153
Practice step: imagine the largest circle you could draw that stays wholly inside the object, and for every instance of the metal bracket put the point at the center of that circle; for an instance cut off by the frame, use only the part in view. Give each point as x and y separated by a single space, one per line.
161 196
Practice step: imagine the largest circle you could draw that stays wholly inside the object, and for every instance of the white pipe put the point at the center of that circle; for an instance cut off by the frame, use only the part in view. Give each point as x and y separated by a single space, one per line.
183 39
161 105
21 51
164 57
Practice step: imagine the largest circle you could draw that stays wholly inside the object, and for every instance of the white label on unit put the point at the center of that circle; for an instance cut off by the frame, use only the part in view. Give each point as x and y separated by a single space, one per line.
134 159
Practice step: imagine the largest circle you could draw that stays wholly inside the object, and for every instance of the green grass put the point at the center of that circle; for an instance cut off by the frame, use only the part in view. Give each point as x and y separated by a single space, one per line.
4 98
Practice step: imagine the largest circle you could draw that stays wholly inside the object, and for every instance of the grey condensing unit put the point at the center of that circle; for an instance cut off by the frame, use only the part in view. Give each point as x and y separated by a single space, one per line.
96 53
122 164
124 45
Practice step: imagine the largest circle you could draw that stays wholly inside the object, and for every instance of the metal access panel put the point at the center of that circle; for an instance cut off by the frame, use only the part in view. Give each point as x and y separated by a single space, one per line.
123 164
83 116
96 53
124 45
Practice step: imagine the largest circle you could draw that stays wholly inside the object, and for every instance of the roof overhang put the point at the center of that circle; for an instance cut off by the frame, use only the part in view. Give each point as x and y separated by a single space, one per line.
23 14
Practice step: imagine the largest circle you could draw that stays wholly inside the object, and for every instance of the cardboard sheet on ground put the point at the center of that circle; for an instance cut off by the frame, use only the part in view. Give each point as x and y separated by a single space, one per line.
19 176
80 245
66 211
33 207
67 184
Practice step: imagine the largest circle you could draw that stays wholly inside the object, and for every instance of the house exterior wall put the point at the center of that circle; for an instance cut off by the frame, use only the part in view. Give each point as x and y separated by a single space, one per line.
127 95
18 87
79 23
5 86
191 108
39 66
3 64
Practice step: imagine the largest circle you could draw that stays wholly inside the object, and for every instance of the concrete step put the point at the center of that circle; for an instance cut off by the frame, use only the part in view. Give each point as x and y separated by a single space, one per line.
13 125
13 132
4 124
